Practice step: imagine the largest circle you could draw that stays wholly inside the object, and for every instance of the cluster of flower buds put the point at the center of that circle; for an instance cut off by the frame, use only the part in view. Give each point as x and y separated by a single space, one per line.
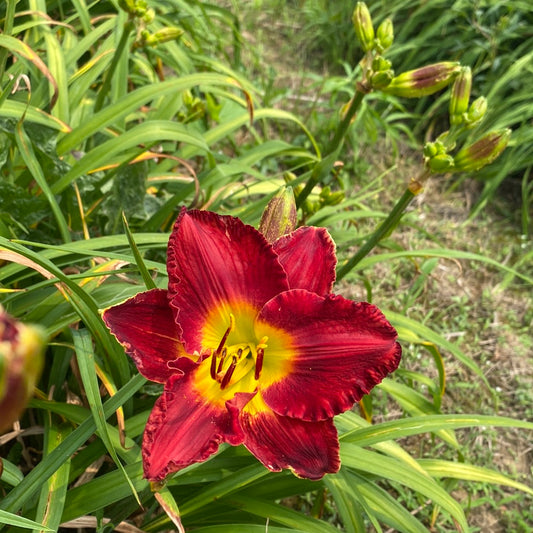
378 74
21 362
461 114
378 71
464 116
163 35
138 9
469 158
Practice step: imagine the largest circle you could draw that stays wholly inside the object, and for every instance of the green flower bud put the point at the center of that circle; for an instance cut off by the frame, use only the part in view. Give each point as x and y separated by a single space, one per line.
430 150
482 152
423 81
477 111
379 63
21 362
364 30
279 216
460 96
440 163
385 35
162 36
381 79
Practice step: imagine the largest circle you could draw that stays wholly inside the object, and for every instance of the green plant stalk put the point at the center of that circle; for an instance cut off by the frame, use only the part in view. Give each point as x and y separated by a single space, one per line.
8 27
386 227
332 149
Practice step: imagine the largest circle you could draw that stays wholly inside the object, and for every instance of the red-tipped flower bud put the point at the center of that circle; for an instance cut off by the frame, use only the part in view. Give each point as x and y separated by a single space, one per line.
423 81
460 96
279 216
21 362
482 152
362 22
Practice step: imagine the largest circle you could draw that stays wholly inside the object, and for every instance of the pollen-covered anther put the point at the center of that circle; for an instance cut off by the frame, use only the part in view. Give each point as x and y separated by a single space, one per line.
229 372
259 358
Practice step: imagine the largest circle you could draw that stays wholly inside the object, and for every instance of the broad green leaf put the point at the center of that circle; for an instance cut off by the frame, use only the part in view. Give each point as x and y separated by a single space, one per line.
86 364
19 521
18 110
103 491
278 513
347 502
385 507
26 150
415 425
440 468
388 468
118 110
25 490
52 498
234 482
9 473
141 135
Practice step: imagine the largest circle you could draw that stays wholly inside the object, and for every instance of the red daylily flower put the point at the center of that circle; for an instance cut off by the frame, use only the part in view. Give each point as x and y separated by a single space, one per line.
252 347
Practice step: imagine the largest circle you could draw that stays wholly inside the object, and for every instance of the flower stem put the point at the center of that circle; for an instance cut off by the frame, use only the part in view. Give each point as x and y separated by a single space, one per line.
324 166
385 228
342 129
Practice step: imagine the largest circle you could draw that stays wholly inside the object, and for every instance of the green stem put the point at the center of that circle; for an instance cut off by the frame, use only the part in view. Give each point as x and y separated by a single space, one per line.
342 129
8 28
324 166
383 229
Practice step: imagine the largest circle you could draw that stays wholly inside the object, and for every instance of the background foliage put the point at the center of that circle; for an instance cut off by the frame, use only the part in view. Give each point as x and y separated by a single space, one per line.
108 111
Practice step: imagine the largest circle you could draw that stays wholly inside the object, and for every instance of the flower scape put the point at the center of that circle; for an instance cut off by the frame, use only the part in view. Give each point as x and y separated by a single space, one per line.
252 347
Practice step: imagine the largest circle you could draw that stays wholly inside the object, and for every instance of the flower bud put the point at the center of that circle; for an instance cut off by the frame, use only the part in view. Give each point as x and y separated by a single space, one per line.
162 36
364 30
440 163
482 152
385 35
423 81
430 150
381 79
460 96
379 63
21 362
477 111
279 216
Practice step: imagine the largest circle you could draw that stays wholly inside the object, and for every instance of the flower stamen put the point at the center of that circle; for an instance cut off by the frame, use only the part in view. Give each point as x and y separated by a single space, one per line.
229 372
221 363
226 334
259 363
259 358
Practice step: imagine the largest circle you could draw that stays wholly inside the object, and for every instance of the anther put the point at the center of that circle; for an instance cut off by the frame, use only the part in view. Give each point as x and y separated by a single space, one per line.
259 363
221 362
226 334
229 373
213 369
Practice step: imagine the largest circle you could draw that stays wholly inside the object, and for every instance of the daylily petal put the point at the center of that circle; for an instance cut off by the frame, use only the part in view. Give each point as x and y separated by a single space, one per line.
309 449
184 427
145 326
308 257
338 351
218 264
